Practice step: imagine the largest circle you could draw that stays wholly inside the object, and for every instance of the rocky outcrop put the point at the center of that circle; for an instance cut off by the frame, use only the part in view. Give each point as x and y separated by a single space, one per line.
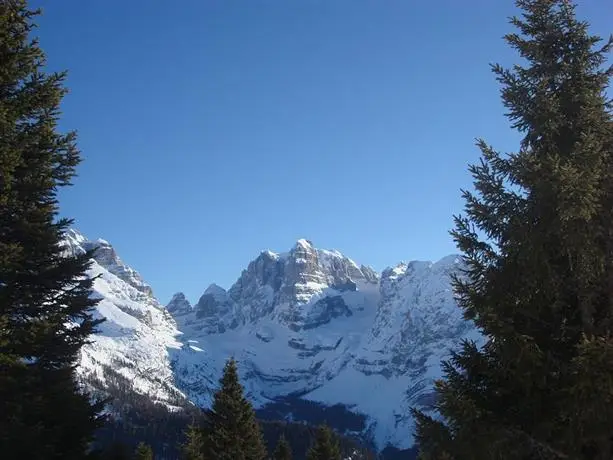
300 288
215 310
416 318
179 305
106 256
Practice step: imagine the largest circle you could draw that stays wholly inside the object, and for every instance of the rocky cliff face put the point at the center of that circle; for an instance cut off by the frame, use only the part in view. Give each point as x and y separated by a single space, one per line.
293 288
179 305
415 316
308 324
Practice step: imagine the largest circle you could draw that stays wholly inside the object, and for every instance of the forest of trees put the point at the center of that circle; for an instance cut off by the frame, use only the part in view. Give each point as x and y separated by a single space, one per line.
536 236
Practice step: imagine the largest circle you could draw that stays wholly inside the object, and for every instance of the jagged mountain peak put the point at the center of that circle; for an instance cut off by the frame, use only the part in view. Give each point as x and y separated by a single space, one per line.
106 255
290 288
178 296
304 247
270 254
73 236
215 290
450 262
179 305
304 243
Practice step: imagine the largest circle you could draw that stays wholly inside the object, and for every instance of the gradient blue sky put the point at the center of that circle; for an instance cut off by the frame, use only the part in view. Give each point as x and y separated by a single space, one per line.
214 129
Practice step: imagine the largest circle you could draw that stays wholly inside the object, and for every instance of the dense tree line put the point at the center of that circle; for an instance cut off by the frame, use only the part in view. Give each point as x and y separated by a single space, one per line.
137 419
313 413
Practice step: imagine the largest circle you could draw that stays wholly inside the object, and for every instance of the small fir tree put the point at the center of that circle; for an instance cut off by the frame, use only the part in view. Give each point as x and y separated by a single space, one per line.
325 446
143 452
233 432
116 451
283 451
193 448
45 302
537 240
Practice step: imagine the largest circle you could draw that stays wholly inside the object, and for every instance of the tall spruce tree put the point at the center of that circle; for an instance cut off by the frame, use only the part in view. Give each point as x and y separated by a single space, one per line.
283 451
537 238
233 432
325 446
44 294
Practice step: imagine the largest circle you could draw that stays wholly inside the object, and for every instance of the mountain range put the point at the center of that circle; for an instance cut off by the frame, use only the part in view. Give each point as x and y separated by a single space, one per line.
310 328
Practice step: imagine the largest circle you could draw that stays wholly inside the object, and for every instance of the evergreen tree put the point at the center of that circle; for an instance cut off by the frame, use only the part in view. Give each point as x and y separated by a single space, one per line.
44 294
193 448
325 447
233 432
537 239
116 451
283 451
143 452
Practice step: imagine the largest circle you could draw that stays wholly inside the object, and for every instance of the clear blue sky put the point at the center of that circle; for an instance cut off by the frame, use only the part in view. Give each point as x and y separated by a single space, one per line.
214 129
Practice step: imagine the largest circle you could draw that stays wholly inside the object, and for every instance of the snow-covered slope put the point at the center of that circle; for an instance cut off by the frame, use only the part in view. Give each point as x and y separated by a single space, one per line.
308 323
313 323
135 341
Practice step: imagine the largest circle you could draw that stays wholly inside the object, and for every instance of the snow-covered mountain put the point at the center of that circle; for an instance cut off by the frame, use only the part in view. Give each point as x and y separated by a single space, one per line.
135 342
309 324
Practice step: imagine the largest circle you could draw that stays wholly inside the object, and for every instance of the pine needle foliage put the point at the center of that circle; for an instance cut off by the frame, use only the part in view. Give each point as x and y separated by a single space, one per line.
537 239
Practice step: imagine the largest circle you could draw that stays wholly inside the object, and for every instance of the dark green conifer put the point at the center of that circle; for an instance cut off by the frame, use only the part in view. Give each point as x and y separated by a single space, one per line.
115 451
233 432
143 452
45 303
537 238
193 448
283 451
325 446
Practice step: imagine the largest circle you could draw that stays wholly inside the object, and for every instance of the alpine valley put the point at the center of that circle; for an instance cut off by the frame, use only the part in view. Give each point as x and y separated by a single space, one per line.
313 333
